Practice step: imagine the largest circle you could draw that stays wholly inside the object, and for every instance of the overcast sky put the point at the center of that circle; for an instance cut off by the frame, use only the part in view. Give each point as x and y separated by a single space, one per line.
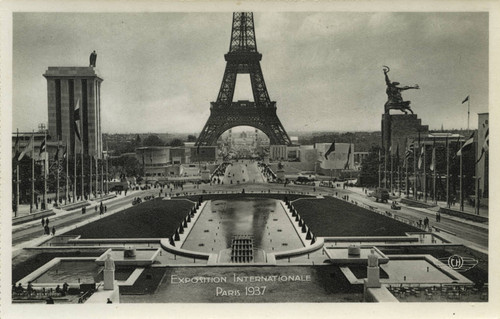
324 70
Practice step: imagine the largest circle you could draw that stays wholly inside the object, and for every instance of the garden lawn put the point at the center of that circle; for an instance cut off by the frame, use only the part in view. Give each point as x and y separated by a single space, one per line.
151 219
331 217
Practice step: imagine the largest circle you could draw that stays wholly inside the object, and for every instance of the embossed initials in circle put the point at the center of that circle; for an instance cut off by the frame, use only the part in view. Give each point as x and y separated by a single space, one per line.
455 262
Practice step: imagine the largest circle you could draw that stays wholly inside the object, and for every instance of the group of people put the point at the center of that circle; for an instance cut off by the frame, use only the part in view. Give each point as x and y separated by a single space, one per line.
425 224
20 290
46 227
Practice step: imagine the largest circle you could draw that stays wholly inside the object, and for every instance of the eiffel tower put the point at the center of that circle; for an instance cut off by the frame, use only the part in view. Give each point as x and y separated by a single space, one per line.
243 58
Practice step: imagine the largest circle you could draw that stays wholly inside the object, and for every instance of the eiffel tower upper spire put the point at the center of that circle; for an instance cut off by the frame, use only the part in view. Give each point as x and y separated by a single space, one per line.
243 33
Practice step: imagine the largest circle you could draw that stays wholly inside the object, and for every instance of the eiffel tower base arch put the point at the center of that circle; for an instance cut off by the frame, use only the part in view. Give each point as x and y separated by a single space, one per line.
222 119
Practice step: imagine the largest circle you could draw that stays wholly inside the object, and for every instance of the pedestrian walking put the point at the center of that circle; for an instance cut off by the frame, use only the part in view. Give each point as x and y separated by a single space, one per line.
43 222
53 231
47 221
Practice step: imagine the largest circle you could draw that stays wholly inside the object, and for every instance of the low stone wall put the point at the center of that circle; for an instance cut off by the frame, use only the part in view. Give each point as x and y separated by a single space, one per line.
34 216
416 203
74 206
299 252
379 295
105 197
456 213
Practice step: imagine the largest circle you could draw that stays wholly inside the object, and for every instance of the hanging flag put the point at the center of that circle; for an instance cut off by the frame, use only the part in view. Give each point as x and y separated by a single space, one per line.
330 150
43 146
465 100
468 142
433 161
56 156
486 145
46 162
397 155
409 151
346 166
77 120
421 157
27 149
16 145
65 152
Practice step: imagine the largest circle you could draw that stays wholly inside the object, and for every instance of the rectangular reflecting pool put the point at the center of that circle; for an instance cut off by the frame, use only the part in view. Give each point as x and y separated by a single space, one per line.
78 271
263 219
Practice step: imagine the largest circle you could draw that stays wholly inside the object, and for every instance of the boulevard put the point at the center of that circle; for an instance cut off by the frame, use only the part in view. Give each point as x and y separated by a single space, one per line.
470 232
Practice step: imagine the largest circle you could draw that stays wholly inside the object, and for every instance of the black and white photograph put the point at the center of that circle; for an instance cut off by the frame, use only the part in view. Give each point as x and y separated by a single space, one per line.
174 158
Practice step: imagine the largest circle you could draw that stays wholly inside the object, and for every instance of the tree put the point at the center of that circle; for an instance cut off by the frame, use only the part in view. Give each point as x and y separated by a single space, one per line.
369 168
191 138
153 140
176 142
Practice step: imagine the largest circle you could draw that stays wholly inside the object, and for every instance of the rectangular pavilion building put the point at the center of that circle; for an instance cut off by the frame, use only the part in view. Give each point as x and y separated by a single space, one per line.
67 86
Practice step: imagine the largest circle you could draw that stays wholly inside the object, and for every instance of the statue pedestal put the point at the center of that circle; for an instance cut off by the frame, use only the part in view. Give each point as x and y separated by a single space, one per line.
280 174
109 279
205 175
373 278
354 250
396 128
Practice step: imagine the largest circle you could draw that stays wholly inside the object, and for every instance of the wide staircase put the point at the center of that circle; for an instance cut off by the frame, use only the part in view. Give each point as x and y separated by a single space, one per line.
242 249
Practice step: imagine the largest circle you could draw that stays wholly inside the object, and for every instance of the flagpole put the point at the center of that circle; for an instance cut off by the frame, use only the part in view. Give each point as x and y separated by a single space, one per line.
17 175
478 179
385 167
57 176
32 172
82 193
407 179
107 173
102 177
435 170
468 114
425 174
74 171
399 177
447 174
96 174
461 183
379 169
90 170
415 167
45 170
66 192
392 168
398 169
